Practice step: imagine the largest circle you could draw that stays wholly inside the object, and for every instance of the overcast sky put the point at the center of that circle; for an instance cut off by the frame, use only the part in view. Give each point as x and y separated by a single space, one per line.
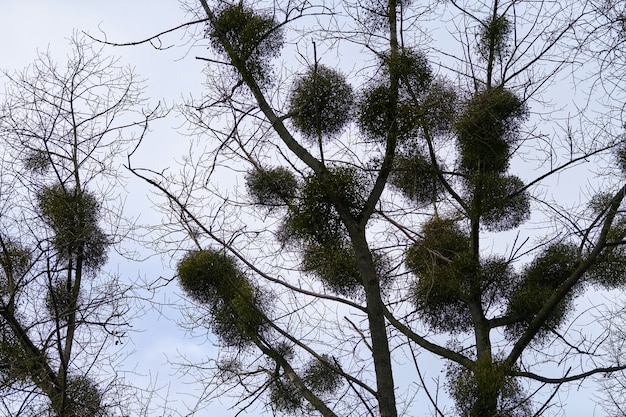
31 26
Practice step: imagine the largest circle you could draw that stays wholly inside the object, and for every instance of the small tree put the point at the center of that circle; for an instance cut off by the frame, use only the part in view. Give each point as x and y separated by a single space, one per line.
63 128
361 234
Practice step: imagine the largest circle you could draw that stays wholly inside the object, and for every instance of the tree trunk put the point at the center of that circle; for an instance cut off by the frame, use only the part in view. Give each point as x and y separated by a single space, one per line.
378 328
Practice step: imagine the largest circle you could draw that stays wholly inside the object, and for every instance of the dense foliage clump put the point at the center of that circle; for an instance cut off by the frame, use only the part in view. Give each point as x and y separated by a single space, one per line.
317 376
313 218
608 272
272 187
60 300
470 388
212 278
335 266
248 37
321 102
15 261
320 377
15 363
501 201
284 396
84 398
413 69
417 178
487 128
446 273
73 216
315 225
494 37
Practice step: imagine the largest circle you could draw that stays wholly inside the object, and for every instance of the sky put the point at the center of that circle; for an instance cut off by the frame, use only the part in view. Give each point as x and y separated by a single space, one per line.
28 27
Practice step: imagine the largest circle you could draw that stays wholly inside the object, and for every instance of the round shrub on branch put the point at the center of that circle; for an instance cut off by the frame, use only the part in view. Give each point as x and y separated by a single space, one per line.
608 271
284 396
271 187
336 266
313 217
416 178
439 107
487 128
620 156
504 204
59 301
413 69
420 101
553 265
379 113
442 240
321 102
214 279
497 278
468 388
84 397
15 260
203 272
37 161
494 37
15 362
445 270
320 378
546 273
73 215
248 37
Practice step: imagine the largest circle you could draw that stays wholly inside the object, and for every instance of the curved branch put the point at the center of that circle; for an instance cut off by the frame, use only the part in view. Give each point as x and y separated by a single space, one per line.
149 40
429 346
561 380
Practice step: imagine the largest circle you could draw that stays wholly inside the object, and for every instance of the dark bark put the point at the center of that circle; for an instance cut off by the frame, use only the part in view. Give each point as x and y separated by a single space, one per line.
378 328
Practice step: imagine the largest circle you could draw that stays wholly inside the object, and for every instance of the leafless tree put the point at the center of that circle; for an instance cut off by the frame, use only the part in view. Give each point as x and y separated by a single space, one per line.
64 128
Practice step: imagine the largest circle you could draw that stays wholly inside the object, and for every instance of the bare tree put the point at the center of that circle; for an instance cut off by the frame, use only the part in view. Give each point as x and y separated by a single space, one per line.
330 234
64 128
